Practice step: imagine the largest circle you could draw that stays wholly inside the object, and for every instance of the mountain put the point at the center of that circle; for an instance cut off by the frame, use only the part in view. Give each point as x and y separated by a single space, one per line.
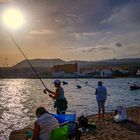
40 63
118 62
108 62
45 63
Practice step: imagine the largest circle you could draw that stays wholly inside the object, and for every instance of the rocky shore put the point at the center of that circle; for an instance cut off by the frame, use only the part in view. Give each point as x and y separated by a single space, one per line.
106 128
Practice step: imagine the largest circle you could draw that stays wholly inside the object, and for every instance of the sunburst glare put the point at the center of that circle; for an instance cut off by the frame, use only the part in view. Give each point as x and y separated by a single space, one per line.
13 18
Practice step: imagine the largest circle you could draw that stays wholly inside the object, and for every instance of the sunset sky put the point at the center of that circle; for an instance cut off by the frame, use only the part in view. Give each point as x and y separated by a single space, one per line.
73 30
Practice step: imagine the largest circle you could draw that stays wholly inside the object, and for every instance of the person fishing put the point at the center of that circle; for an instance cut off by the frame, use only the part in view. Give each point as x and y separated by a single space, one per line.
60 101
101 96
43 125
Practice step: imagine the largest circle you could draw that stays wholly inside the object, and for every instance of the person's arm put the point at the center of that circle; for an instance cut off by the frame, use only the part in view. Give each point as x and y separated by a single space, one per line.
55 95
96 92
106 90
48 91
36 131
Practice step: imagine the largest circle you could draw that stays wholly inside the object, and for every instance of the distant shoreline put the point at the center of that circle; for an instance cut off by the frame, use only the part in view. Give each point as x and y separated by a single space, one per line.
14 77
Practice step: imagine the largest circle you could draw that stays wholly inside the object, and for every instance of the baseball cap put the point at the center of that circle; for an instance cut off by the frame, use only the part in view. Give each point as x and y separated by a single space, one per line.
56 81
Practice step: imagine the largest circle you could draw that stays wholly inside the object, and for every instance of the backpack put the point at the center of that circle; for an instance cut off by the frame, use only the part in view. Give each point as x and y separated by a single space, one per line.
83 121
120 114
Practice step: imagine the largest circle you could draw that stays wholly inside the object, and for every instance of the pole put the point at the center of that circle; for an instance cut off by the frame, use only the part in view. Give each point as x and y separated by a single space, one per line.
18 47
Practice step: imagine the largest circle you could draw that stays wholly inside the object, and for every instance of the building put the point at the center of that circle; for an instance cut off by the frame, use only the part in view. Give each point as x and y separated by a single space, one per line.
138 73
66 68
106 73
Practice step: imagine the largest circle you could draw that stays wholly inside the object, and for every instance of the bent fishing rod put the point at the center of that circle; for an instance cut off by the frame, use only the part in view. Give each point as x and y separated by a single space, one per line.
18 47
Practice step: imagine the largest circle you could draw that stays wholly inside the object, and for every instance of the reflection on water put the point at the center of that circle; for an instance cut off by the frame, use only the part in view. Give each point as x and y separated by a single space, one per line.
20 97
12 109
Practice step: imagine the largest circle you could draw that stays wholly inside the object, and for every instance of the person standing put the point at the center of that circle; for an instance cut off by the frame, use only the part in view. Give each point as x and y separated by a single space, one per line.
101 96
60 100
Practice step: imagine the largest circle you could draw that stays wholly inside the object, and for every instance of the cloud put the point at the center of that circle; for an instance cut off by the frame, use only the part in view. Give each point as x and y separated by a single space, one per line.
29 37
84 35
126 17
83 27
91 49
80 16
7 2
88 49
3 1
131 51
41 32
65 15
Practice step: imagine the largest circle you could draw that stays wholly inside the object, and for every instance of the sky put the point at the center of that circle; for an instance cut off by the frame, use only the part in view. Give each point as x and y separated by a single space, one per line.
73 30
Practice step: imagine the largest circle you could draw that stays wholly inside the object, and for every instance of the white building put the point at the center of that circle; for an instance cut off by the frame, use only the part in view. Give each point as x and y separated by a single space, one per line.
106 73
138 73
62 74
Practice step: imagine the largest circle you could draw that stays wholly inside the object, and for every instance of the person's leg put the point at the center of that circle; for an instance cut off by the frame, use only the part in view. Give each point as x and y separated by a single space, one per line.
99 107
63 111
58 111
103 107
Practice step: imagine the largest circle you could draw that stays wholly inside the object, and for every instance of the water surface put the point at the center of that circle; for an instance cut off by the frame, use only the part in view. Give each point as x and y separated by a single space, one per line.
20 97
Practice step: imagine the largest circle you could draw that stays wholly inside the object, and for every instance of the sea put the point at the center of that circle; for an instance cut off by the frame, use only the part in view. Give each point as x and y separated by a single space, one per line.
19 99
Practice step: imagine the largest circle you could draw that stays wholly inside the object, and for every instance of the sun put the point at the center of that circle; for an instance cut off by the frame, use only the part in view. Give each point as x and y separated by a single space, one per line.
13 18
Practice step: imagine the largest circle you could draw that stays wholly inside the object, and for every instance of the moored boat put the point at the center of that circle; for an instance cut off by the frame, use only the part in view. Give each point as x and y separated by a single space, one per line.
135 86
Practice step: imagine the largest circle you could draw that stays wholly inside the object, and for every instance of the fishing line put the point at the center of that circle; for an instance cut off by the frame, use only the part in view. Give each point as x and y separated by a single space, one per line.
18 47
86 83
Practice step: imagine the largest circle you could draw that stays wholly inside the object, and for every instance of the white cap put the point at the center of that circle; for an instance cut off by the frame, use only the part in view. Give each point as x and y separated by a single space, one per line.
57 82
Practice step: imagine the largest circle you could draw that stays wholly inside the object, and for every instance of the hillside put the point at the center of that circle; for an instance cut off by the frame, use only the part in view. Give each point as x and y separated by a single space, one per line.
45 63
42 66
40 63
109 62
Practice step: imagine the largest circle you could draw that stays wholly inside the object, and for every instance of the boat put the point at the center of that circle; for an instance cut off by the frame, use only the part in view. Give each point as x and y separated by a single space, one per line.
78 86
135 86
64 83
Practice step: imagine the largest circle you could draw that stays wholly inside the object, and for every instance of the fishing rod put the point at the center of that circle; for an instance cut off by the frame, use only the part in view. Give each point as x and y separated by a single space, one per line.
86 83
18 47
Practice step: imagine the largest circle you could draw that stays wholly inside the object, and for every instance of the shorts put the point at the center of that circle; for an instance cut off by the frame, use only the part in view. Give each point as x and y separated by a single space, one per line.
101 104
